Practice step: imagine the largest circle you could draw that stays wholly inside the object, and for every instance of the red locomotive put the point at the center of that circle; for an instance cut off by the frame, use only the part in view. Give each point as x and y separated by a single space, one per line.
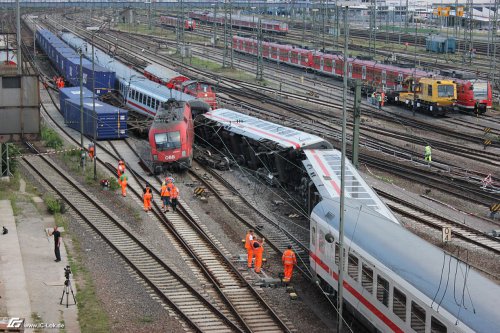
472 94
170 21
171 135
174 80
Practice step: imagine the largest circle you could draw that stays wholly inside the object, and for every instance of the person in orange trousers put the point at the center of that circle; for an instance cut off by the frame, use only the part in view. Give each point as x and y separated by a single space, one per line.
248 245
289 260
123 182
258 250
147 196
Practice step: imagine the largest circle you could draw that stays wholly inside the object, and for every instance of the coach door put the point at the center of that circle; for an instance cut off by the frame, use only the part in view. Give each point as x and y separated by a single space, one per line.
384 76
321 63
349 70
363 73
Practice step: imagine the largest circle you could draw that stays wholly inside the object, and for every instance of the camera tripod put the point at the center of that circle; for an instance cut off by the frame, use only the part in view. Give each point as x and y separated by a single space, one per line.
66 290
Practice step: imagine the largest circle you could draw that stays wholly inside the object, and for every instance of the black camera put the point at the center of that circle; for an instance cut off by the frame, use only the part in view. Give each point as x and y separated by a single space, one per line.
67 272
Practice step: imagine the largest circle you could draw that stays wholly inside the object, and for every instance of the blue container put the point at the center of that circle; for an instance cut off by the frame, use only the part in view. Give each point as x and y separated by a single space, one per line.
67 62
440 44
73 93
111 121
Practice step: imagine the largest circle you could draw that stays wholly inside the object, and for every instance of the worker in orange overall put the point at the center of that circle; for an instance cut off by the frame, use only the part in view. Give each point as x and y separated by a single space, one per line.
121 168
123 180
91 151
258 250
147 197
174 195
248 245
61 83
289 260
165 197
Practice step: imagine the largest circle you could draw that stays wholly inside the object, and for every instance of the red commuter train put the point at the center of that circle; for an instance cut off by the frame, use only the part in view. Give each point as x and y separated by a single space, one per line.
171 136
170 21
173 80
472 94
243 22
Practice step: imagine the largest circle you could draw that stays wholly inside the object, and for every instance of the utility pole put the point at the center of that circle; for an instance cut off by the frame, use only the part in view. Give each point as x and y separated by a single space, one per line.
215 24
94 114
407 15
149 13
224 59
18 26
340 287
373 27
81 99
468 46
231 32
357 123
493 60
324 26
303 26
260 58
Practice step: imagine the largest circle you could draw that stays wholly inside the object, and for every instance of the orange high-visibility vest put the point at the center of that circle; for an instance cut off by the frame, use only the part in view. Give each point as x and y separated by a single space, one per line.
174 193
289 258
248 241
164 191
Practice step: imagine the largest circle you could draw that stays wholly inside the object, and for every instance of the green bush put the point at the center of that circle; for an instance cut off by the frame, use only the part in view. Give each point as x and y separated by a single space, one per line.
51 138
113 184
54 206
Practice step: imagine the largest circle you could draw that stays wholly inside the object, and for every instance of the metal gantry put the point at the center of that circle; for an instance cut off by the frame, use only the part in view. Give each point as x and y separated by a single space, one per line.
468 29
373 27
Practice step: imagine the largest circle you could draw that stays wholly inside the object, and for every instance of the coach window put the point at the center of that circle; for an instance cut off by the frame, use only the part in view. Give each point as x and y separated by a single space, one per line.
367 278
337 253
382 290
437 326
313 236
352 266
399 304
429 90
417 318
149 101
321 242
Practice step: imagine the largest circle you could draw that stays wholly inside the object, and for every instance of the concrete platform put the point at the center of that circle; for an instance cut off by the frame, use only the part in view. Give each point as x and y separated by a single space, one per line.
33 282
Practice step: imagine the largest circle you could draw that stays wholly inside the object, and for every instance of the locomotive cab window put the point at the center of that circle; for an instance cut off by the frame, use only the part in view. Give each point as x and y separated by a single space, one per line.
399 304
168 140
367 278
417 318
446 90
437 326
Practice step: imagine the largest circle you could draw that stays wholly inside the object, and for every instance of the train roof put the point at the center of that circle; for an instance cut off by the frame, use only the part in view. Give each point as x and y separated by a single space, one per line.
451 284
162 72
156 90
262 130
323 167
125 74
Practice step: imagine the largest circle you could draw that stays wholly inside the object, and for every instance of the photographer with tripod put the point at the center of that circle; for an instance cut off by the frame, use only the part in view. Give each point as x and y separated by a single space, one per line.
67 286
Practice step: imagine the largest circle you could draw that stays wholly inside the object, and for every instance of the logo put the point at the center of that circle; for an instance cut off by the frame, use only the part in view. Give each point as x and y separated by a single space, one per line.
15 322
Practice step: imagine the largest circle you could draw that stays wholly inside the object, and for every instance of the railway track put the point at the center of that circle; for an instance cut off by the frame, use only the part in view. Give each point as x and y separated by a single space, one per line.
277 236
438 222
194 308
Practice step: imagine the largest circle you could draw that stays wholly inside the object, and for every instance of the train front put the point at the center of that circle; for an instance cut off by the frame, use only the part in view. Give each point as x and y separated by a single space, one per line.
171 137
475 96
202 91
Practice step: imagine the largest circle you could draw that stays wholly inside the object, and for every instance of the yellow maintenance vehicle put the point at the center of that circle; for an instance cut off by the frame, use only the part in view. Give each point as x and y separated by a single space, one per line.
436 96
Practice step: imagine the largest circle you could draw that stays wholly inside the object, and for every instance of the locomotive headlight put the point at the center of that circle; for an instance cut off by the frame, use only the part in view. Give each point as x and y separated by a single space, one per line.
183 153
155 157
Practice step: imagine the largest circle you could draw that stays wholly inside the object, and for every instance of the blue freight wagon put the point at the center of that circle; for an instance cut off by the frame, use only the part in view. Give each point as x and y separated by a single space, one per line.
440 44
67 62
110 121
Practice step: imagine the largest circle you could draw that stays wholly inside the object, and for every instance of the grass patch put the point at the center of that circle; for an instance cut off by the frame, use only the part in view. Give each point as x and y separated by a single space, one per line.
51 138
54 206
91 314
385 179
36 319
9 191
146 320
